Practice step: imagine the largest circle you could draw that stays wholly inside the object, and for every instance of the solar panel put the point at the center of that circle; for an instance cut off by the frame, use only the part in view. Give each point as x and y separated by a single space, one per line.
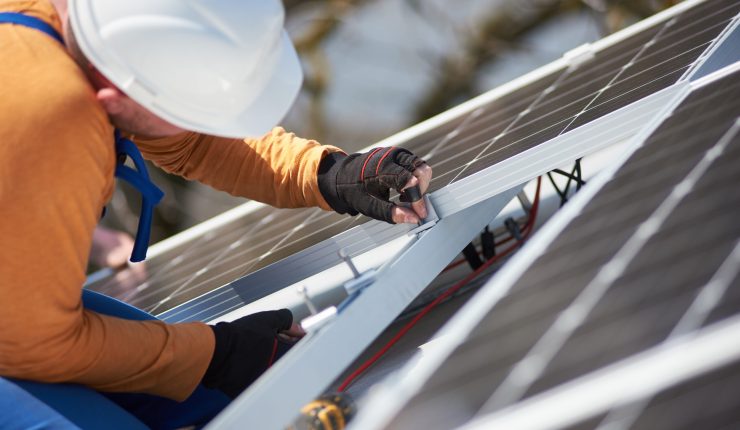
216 271
653 256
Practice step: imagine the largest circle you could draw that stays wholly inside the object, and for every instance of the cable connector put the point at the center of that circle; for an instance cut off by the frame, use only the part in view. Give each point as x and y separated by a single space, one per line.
471 255
488 243
513 227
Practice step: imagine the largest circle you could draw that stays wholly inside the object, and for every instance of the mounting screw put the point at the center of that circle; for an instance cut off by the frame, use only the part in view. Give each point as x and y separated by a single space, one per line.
303 291
347 259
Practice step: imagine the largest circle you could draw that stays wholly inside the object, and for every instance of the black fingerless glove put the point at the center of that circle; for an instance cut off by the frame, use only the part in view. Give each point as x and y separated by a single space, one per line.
246 348
361 183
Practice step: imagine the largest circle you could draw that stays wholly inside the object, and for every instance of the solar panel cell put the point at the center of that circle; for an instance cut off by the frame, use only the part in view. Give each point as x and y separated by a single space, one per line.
567 316
458 148
707 402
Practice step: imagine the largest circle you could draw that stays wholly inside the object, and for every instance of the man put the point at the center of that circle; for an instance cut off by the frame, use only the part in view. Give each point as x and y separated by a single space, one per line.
152 69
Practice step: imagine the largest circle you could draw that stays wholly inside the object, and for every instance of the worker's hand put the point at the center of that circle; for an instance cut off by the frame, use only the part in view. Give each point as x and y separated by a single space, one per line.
247 347
110 248
361 183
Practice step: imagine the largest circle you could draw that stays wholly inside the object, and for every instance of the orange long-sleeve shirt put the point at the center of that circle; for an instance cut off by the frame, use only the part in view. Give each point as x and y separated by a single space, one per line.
56 174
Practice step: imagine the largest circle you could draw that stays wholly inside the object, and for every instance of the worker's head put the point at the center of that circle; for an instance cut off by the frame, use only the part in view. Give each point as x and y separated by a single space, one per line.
225 68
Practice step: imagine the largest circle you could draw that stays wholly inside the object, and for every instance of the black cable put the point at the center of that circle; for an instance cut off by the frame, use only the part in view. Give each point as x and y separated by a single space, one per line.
576 175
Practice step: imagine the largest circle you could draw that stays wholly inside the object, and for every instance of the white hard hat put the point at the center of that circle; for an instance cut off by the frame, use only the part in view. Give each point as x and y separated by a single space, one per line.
221 67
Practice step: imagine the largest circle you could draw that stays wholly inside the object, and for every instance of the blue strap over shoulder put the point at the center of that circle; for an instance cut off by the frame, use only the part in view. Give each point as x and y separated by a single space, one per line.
138 178
31 22
150 194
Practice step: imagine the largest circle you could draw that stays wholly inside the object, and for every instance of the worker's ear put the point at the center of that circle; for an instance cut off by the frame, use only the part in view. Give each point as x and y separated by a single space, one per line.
112 99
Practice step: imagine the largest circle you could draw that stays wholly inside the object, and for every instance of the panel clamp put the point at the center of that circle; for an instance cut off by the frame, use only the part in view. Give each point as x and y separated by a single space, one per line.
428 222
353 287
579 55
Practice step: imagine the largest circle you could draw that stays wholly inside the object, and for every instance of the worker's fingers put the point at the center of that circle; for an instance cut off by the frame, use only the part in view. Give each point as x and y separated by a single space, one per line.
418 207
424 174
295 331
404 215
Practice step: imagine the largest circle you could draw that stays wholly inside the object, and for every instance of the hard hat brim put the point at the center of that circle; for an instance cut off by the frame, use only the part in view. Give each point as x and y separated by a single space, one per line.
257 116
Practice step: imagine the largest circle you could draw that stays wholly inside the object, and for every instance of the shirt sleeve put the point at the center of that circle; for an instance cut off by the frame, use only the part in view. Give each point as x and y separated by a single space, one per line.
56 173
279 168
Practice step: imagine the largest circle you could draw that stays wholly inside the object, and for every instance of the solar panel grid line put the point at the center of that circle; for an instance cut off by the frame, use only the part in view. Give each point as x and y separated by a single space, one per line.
468 107
157 268
486 160
694 404
182 262
224 251
696 69
620 92
680 279
298 266
258 258
269 275
166 299
630 380
229 273
511 124
314 362
614 78
501 116
269 251
698 27
203 228
704 104
708 298
647 23
389 399
616 198
173 267
222 300
670 70
353 241
600 133
610 272
325 288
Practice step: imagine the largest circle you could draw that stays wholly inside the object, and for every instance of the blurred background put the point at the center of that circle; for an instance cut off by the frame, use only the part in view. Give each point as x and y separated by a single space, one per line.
375 67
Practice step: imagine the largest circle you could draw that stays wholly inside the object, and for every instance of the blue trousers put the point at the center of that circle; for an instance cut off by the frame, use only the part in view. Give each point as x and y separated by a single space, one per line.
89 409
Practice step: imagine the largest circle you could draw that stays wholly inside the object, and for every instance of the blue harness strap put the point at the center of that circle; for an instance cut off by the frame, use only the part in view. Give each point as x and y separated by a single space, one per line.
138 178
30 22
150 194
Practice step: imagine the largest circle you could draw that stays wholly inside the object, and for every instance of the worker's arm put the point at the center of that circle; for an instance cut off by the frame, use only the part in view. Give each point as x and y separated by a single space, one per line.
56 173
284 170
278 168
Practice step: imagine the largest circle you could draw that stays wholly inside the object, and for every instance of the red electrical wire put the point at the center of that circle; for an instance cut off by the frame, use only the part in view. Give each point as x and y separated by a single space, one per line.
450 291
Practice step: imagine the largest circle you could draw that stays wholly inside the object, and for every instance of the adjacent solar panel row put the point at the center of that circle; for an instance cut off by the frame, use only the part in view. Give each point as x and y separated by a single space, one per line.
653 257
216 264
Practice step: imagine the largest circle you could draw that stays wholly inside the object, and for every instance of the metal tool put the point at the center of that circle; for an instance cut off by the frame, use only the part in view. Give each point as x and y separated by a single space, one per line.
328 412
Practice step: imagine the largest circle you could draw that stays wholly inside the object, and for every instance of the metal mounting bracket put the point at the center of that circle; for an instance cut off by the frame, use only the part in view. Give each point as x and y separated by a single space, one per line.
317 360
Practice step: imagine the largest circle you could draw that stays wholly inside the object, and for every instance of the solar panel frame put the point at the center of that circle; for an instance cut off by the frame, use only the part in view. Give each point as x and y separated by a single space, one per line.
504 308
267 389
154 295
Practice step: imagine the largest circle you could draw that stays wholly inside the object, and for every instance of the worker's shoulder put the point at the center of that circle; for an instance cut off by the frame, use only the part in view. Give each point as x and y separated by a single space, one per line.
47 96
